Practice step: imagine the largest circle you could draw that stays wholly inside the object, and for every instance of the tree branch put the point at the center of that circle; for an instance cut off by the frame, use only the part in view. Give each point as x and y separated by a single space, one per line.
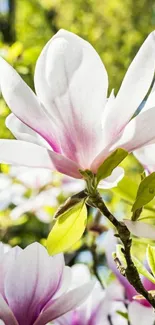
131 273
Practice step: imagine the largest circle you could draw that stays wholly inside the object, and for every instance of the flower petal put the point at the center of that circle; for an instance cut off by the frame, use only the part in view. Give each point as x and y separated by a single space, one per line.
132 136
64 283
23 132
65 303
135 86
23 153
6 260
138 312
31 281
6 314
140 229
25 105
112 181
72 82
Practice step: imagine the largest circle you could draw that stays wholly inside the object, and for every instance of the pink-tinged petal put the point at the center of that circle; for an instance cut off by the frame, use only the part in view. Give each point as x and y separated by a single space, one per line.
6 260
25 105
148 285
31 281
64 283
21 153
71 82
23 132
135 86
112 181
6 314
65 303
140 229
139 313
139 132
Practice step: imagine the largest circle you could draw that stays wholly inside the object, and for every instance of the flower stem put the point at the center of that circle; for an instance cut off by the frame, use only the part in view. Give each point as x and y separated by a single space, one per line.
131 273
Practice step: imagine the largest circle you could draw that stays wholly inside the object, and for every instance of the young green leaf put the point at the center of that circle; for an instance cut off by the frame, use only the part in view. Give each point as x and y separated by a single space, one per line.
142 270
111 163
145 193
123 314
68 229
126 189
150 253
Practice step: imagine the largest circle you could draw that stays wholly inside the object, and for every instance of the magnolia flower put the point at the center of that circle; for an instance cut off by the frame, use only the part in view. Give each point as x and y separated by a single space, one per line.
145 308
70 124
34 286
101 306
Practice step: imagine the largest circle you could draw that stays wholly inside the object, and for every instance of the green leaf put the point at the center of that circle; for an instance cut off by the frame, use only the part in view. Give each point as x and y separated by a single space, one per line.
68 229
146 192
150 253
111 163
142 270
126 189
124 315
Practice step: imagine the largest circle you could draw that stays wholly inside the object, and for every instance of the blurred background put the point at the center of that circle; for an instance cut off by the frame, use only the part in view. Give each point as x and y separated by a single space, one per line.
116 28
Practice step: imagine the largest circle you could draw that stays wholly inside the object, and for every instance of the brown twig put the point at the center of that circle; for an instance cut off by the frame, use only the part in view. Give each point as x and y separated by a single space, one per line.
131 273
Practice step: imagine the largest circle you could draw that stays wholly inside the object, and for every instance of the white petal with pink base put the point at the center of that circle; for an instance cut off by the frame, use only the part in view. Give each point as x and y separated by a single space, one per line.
70 124
34 287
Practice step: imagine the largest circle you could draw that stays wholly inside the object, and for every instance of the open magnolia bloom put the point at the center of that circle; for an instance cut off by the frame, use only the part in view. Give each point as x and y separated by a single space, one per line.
70 124
101 306
34 287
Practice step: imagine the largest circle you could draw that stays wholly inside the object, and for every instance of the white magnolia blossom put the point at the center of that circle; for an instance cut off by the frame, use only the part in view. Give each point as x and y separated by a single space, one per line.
35 288
70 124
100 306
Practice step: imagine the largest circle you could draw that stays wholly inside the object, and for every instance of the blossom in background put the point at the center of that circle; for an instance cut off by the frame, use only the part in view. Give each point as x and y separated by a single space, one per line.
44 189
70 124
101 306
34 287
145 309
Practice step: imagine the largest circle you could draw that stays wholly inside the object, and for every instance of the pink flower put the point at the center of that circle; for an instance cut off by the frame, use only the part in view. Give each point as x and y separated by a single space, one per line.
34 286
100 306
70 124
